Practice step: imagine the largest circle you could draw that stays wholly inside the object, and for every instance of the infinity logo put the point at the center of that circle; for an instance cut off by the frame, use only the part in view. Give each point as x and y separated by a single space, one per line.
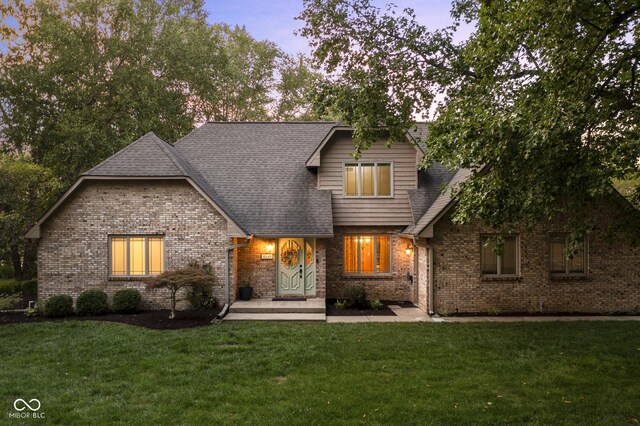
25 404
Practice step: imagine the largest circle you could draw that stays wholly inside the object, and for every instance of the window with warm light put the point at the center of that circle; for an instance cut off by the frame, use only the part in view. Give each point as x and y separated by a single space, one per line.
367 254
368 179
136 255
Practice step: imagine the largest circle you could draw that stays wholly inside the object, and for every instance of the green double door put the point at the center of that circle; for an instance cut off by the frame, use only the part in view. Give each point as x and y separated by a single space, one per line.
296 267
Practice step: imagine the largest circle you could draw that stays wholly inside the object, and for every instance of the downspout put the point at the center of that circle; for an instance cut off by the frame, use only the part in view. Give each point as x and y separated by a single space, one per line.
227 278
431 275
415 268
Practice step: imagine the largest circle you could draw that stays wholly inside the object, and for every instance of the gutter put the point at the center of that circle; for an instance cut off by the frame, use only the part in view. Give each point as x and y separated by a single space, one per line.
227 278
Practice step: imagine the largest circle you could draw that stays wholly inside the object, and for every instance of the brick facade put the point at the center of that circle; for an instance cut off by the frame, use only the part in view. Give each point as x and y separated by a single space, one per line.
611 285
73 256
261 274
396 287
73 249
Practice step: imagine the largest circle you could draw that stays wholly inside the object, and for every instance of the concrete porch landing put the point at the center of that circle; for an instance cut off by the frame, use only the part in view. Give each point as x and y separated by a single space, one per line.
269 310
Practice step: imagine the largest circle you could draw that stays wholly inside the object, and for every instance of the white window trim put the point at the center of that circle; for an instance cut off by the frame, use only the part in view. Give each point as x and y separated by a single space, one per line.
359 178
499 258
146 255
375 256
585 257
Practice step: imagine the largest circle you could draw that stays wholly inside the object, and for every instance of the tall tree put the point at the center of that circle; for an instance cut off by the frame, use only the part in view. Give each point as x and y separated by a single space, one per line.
80 79
543 93
26 190
295 89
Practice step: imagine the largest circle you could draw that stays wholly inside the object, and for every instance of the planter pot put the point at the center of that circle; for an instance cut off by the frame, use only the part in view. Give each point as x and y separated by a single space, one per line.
245 293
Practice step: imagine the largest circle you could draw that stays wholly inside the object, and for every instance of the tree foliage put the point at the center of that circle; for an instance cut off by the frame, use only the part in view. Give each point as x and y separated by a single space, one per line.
26 190
81 79
543 93
190 277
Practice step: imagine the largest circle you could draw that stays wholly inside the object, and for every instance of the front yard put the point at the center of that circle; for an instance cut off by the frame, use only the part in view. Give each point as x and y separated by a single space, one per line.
263 373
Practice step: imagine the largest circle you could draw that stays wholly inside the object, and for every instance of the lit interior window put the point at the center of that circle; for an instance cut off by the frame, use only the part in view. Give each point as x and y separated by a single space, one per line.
136 255
367 254
118 256
156 256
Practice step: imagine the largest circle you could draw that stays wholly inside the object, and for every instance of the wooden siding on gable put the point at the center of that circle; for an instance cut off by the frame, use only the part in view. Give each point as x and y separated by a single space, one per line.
369 211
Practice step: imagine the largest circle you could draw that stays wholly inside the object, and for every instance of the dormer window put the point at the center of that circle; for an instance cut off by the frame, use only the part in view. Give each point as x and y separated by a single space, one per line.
368 179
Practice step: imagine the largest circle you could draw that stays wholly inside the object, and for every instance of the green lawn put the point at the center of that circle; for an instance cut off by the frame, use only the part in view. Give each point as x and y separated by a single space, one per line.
264 373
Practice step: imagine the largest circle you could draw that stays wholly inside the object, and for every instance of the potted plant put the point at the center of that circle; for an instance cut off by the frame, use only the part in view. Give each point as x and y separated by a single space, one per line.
245 291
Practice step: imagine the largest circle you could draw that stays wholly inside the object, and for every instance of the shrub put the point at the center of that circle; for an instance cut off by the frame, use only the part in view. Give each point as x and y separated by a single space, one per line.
190 277
58 306
357 296
341 304
376 304
10 301
92 302
126 301
201 298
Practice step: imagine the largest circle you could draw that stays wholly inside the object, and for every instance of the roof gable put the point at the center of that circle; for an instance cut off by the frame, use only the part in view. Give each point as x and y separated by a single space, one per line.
147 156
150 158
414 137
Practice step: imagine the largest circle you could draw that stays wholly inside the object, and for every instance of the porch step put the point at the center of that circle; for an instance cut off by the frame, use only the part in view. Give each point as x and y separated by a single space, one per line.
252 316
268 306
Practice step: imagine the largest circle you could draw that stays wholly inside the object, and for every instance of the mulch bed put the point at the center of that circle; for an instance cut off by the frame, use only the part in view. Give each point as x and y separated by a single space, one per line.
383 311
156 320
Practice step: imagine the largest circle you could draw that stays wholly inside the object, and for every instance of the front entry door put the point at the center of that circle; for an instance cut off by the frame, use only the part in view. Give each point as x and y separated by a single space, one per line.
296 267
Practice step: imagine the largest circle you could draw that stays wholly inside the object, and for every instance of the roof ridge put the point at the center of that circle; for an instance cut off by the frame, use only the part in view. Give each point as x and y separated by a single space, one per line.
121 151
170 155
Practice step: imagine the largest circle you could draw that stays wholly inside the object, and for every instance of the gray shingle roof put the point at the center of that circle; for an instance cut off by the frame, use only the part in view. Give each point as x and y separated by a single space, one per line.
419 131
147 156
430 185
439 204
254 171
257 170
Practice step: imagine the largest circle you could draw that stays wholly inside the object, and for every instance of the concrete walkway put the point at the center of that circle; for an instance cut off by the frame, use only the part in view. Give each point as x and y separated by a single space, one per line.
538 318
402 315
416 315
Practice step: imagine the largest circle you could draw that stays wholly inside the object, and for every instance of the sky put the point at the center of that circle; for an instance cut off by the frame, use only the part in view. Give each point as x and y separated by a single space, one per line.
274 19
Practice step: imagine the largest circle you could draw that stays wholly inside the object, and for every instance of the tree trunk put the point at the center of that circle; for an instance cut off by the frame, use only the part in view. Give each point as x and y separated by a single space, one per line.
172 315
29 260
16 261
